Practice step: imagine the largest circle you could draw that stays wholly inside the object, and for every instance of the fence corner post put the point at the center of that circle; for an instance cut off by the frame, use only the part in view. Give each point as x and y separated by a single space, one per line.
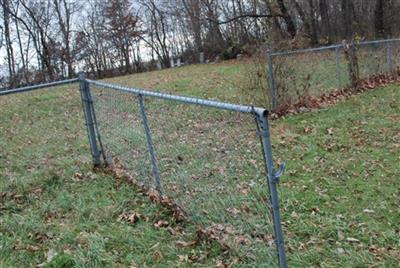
88 111
272 178
271 79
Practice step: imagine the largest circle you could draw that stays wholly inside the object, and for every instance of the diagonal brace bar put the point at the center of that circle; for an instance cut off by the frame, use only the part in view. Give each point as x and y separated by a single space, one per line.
89 119
150 145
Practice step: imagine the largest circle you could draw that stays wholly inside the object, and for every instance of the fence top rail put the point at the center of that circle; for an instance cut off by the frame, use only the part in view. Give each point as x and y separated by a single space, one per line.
379 41
189 100
337 46
39 86
306 50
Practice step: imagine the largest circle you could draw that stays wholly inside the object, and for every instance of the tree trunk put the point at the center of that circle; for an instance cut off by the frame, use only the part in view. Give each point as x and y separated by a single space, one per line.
290 26
350 52
379 22
314 33
347 19
193 10
308 22
9 47
326 24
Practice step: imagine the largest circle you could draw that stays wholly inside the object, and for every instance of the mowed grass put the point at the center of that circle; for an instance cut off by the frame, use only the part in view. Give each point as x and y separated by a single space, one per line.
340 192
339 195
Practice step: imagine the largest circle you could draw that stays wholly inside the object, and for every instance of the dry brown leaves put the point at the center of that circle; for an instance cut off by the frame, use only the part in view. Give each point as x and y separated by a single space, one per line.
307 102
119 172
132 217
220 234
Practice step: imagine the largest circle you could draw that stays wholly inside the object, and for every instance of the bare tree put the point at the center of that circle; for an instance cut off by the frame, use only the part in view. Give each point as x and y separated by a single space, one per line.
65 11
9 45
157 31
123 29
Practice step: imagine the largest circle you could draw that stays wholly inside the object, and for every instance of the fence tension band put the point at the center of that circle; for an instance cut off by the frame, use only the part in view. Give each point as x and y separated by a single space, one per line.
279 173
282 166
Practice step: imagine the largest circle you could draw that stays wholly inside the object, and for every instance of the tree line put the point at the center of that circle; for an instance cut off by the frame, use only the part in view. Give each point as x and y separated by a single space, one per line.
46 40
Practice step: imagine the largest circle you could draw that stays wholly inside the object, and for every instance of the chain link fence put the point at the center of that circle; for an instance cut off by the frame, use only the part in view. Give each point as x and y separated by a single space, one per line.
294 74
208 160
211 161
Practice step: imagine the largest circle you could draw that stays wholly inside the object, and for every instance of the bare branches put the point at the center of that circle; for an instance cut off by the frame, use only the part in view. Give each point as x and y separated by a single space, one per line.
243 16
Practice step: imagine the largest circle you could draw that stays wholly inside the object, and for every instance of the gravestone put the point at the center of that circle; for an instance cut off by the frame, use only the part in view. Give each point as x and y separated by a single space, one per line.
201 57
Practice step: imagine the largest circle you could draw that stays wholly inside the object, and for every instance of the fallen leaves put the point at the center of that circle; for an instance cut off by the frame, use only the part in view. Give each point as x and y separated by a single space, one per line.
132 217
32 248
161 224
368 211
183 244
49 255
79 177
176 211
242 240
308 130
308 102
352 240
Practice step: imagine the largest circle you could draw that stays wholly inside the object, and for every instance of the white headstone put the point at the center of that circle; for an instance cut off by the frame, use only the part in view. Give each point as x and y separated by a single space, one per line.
172 63
159 67
201 57
178 62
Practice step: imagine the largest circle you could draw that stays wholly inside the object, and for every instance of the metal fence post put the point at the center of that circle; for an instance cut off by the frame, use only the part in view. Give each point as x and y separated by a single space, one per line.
150 145
337 54
89 119
271 78
272 180
389 56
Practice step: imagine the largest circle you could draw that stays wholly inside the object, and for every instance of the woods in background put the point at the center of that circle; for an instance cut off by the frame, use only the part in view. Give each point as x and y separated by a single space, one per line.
45 40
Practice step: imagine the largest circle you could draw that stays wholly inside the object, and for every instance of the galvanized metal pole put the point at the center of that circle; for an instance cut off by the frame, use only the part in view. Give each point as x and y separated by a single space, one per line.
150 146
389 56
272 180
337 54
96 125
271 78
89 119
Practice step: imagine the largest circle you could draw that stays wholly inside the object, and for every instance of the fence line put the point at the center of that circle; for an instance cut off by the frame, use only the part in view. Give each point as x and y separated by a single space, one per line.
261 115
243 195
36 87
188 100
289 74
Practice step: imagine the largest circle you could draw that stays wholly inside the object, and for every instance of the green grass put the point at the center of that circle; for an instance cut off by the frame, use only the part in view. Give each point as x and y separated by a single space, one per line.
45 207
341 182
344 184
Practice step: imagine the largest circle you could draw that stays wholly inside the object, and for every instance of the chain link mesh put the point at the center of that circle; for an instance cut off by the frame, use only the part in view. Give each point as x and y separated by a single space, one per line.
395 49
372 59
210 163
310 73
297 74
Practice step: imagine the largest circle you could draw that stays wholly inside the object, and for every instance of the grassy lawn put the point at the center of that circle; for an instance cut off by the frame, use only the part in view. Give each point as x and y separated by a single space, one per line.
339 195
343 182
